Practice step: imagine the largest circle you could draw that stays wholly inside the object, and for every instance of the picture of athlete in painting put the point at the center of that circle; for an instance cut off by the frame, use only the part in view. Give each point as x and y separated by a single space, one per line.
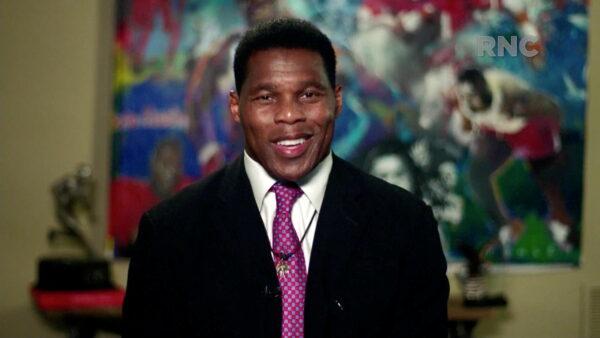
131 197
509 120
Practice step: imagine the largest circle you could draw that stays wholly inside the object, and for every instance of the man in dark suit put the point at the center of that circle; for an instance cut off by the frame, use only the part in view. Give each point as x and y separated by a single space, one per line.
288 240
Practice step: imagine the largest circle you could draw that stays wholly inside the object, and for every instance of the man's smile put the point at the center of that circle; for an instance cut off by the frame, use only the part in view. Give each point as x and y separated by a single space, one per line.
292 146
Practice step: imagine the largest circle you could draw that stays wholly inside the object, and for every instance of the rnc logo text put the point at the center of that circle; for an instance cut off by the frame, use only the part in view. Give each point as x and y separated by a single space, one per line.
498 46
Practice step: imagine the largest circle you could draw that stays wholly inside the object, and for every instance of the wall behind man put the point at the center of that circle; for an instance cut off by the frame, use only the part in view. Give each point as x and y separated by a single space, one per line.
54 66
54 113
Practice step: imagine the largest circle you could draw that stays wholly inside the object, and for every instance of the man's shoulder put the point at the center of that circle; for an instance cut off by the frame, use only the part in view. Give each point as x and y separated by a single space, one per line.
388 210
194 198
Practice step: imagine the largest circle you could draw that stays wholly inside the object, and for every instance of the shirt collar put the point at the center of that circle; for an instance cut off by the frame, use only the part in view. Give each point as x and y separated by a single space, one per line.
313 184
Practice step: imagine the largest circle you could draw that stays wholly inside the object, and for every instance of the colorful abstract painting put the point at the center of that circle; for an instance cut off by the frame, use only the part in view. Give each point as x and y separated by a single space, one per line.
476 106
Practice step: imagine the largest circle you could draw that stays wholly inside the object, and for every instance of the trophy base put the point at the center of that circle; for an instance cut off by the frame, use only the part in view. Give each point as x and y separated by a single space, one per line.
73 274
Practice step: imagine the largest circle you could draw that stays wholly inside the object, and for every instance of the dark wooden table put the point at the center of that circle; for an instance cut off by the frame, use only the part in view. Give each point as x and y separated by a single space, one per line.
462 319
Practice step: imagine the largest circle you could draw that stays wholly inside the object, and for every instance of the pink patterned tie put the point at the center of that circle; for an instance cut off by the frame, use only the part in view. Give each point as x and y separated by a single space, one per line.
291 270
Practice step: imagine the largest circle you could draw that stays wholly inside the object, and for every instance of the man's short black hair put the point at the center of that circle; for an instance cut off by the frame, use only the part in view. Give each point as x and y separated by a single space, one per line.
471 75
475 77
282 33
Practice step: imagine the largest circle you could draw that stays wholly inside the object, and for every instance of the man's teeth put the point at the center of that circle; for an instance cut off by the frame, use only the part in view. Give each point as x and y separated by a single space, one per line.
290 143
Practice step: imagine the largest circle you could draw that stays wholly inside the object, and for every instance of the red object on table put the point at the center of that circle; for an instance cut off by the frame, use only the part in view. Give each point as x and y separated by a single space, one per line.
78 300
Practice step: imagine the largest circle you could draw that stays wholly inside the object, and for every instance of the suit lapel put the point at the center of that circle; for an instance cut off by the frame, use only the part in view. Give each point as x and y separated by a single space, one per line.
338 229
243 227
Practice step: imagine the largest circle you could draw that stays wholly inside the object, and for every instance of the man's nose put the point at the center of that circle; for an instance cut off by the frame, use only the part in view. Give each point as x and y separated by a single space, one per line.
290 112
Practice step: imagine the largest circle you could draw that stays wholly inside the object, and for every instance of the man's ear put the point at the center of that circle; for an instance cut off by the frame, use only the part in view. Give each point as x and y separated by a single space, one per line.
338 100
234 106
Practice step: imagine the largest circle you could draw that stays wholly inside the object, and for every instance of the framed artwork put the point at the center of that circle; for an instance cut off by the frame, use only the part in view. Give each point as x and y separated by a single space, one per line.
476 106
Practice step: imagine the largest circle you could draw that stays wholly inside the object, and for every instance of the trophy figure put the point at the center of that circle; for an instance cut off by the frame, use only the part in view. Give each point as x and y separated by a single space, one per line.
74 288
74 209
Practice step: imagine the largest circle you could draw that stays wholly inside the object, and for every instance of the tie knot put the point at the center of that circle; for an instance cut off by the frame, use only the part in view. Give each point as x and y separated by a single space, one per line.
286 193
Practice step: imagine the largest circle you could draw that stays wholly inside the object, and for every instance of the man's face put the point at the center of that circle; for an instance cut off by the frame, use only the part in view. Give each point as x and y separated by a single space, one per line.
448 174
287 109
469 96
392 169
166 168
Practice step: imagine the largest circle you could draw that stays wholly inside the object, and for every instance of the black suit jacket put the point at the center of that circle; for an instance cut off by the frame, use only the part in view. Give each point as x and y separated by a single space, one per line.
202 265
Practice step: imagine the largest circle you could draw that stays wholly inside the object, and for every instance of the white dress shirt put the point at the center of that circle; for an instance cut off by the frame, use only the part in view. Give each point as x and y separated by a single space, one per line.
313 188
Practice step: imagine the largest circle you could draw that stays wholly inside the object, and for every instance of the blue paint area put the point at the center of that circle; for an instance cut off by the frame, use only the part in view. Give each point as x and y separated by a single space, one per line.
136 150
136 145
152 93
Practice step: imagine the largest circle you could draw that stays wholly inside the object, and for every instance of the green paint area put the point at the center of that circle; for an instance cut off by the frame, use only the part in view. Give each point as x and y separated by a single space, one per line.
518 191
523 199
535 245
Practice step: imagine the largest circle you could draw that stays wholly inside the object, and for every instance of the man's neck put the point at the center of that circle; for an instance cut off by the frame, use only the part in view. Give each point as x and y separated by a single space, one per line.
312 184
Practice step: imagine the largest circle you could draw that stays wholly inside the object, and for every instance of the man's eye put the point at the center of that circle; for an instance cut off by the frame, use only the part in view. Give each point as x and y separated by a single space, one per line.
265 98
310 95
